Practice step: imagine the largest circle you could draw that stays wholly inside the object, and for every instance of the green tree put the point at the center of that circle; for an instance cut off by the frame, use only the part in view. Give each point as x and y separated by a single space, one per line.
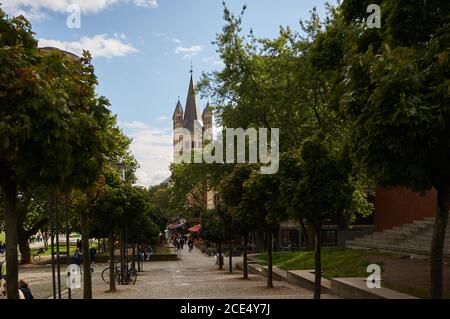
396 97
320 184
54 130
213 230
231 190
261 200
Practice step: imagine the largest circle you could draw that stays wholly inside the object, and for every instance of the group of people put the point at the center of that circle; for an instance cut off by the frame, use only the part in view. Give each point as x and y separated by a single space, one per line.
24 290
179 240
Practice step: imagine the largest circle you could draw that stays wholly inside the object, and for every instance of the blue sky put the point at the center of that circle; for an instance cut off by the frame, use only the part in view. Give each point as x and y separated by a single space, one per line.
142 53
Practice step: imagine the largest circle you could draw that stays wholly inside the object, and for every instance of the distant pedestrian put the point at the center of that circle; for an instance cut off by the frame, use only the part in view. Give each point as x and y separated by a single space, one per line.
191 245
93 254
77 257
79 245
23 287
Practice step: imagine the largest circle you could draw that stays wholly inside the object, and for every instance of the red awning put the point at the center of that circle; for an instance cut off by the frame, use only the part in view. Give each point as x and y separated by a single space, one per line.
195 229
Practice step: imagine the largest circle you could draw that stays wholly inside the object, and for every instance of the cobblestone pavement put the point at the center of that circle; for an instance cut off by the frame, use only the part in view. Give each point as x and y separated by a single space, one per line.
194 277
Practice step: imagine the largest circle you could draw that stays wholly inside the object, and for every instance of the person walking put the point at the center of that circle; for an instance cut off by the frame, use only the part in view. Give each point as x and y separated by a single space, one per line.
77 258
182 242
190 243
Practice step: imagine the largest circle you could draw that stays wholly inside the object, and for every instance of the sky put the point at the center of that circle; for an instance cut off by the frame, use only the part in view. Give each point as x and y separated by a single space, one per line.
143 50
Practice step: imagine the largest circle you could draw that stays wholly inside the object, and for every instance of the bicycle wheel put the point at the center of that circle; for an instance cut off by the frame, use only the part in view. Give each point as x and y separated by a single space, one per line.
133 276
118 273
36 258
105 275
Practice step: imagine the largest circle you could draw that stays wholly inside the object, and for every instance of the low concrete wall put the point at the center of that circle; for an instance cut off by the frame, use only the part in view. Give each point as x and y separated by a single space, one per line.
356 288
348 288
306 279
277 273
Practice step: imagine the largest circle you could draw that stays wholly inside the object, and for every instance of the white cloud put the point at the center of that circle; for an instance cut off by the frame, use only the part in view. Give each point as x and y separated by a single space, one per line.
153 150
120 35
189 51
167 36
162 118
99 46
214 60
136 125
146 3
33 8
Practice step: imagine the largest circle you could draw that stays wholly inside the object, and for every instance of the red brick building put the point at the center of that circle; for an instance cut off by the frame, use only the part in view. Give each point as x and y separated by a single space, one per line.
398 206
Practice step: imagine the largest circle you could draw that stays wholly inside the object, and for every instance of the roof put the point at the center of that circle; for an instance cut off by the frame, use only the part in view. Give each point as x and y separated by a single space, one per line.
191 114
207 110
166 181
178 109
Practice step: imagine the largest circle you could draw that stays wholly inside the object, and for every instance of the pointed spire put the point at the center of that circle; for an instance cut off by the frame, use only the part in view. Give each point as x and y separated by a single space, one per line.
207 110
191 113
178 110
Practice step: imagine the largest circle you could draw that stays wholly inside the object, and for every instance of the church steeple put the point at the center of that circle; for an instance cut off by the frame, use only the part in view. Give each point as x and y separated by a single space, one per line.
207 117
191 114
178 111
177 117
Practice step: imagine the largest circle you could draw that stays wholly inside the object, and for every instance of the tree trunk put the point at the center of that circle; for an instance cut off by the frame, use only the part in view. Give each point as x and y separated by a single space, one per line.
269 260
112 274
317 262
24 236
24 248
310 233
245 257
133 262
230 258
220 255
12 269
437 244
304 233
87 278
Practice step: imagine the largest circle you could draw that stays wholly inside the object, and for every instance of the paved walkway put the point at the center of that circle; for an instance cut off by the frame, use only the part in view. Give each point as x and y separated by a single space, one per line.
197 277
194 277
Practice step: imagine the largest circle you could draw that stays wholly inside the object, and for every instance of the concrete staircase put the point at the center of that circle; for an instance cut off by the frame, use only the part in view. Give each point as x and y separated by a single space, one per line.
414 238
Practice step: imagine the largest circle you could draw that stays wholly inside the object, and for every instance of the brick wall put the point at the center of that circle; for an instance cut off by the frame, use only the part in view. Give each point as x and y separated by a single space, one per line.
398 206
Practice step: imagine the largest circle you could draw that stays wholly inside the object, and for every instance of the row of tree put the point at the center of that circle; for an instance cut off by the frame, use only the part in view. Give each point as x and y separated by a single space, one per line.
356 107
59 142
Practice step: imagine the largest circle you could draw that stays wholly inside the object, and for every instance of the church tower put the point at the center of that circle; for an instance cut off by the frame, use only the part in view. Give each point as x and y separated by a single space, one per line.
207 117
177 120
190 119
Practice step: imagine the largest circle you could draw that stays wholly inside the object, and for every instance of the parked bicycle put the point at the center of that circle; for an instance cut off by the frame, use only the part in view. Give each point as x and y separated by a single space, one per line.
129 275
36 256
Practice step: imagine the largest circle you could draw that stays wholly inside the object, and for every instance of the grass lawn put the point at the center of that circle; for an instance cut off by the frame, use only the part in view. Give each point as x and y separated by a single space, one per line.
335 262
407 275
62 250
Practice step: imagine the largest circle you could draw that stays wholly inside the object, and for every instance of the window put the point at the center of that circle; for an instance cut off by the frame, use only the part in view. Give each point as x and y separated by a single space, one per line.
329 237
289 238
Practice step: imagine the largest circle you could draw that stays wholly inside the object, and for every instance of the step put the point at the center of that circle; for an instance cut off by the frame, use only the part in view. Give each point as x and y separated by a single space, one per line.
394 248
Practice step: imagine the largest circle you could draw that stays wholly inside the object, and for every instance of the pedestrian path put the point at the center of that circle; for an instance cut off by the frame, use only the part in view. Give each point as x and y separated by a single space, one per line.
197 277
